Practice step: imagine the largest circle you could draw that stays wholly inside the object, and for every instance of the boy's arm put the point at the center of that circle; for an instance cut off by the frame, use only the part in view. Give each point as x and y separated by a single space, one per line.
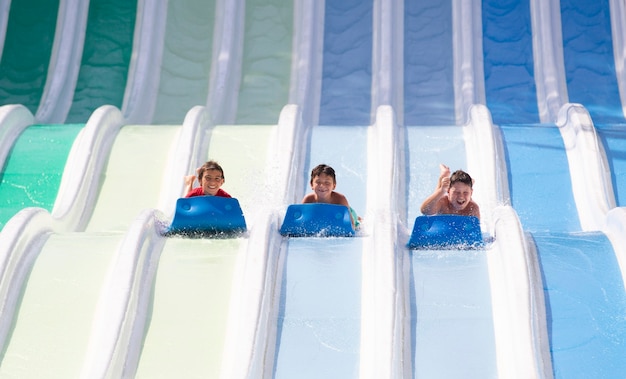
431 205
189 179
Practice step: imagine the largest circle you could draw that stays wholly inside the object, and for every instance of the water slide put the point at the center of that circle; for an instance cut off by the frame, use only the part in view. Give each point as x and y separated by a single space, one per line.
90 288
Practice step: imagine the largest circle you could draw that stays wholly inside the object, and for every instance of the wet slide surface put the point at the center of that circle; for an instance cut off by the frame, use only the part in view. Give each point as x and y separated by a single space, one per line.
188 320
453 333
266 64
508 61
32 173
450 298
428 86
187 324
106 57
583 287
53 320
320 304
589 59
186 62
27 50
585 303
347 66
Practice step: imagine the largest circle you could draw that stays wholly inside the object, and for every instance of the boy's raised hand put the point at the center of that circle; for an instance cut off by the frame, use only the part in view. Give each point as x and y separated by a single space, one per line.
444 178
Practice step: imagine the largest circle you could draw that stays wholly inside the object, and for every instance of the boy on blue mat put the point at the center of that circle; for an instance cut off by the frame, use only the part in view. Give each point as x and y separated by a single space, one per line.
211 178
453 195
323 183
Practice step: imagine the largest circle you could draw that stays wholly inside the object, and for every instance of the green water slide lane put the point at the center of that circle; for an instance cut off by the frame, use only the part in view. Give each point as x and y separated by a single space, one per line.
266 64
186 60
106 57
188 320
27 49
32 172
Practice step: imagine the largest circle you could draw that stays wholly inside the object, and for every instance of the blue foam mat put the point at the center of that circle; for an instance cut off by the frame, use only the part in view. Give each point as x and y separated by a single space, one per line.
317 219
446 232
207 215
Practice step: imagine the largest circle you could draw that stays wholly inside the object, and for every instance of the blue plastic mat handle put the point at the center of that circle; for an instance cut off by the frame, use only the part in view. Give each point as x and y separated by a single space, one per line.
317 219
207 215
446 232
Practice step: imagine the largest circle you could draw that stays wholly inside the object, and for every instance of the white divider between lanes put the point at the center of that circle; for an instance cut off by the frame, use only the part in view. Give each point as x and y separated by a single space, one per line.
518 308
227 59
81 175
385 332
251 330
548 58
119 324
588 167
67 53
14 119
618 27
144 71
518 304
21 240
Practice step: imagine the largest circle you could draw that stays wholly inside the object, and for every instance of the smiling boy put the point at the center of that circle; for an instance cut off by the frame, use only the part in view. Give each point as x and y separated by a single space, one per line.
453 195
323 183
211 178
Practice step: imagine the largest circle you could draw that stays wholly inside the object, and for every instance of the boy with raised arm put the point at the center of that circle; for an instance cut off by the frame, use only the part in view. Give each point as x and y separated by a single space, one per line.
453 195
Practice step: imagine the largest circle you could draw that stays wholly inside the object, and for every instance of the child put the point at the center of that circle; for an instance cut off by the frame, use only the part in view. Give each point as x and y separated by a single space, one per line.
211 178
453 195
323 183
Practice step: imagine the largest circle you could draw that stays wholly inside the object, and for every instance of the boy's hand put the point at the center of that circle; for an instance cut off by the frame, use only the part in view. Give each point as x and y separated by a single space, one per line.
444 179
189 179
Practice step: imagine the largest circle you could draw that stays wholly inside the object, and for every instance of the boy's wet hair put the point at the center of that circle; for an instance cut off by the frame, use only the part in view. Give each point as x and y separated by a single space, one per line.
461 176
323 169
209 165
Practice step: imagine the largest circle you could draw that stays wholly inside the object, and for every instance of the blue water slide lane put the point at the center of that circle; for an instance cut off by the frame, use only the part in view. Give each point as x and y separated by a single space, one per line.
589 60
508 62
347 67
428 78
555 232
613 139
586 314
325 324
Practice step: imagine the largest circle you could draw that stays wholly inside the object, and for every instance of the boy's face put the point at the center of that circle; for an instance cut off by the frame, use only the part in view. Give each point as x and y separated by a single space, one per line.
460 195
323 185
212 180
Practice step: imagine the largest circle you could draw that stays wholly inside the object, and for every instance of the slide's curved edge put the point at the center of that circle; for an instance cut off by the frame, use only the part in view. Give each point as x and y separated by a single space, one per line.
119 323
226 63
14 118
21 241
251 330
486 161
80 180
385 343
589 169
186 157
67 52
618 27
548 59
518 306
306 68
144 73
469 76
